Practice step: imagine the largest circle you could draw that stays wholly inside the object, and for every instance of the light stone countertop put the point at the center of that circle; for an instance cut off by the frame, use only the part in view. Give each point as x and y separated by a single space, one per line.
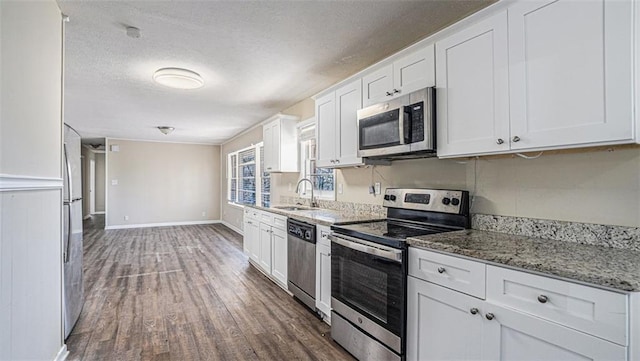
610 268
325 217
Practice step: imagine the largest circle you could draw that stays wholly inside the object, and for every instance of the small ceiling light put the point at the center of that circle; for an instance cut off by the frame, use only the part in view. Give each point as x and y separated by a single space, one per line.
133 32
178 78
166 130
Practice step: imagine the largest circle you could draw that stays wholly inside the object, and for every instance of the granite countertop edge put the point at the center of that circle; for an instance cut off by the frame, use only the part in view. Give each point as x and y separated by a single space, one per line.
558 259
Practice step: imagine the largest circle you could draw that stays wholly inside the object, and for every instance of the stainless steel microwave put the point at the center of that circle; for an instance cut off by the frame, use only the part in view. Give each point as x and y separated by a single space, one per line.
403 127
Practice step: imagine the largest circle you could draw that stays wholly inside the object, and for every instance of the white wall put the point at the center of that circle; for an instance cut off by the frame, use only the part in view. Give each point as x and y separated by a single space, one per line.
30 180
100 182
162 183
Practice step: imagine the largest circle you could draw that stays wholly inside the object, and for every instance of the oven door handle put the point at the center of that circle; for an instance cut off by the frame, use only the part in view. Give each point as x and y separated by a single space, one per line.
369 248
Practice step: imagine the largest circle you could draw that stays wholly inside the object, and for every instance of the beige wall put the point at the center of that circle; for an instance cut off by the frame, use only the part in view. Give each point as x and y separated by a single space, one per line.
100 182
162 182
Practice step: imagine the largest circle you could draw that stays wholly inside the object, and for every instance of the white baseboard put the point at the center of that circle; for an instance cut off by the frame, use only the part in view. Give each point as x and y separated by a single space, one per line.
98 212
236 229
62 354
164 224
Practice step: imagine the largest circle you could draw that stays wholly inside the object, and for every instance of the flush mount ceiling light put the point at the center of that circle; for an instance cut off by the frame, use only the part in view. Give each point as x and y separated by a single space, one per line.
166 130
178 78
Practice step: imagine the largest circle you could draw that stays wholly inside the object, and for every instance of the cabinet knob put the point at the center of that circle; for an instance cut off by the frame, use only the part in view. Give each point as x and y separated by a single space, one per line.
515 139
474 311
333 161
500 141
337 160
490 316
396 91
328 254
389 94
440 269
543 299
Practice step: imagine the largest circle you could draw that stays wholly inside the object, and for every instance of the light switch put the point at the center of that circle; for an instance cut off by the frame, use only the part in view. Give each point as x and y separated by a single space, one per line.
115 148
114 182
377 187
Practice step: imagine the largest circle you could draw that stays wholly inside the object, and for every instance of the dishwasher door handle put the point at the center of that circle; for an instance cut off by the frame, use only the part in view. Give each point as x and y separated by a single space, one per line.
368 247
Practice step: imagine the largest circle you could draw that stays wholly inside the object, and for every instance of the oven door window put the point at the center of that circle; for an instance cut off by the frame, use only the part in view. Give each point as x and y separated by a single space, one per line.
380 130
371 285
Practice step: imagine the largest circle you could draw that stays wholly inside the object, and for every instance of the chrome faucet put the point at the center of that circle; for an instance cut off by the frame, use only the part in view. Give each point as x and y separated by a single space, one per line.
313 200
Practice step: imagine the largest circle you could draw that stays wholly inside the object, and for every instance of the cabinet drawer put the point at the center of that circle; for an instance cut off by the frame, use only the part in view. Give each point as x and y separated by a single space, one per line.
594 311
322 235
252 213
280 222
267 218
452 272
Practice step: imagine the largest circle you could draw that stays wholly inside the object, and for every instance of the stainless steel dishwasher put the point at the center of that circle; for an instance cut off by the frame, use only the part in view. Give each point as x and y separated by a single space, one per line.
301 248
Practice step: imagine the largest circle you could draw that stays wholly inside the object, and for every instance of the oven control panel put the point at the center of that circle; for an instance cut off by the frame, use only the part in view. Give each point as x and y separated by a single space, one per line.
434 200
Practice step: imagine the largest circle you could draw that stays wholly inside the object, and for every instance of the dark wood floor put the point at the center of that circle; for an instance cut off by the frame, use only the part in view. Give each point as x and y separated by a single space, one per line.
187 293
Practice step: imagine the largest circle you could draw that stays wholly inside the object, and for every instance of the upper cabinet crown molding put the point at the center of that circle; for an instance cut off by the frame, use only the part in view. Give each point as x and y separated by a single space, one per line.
280 138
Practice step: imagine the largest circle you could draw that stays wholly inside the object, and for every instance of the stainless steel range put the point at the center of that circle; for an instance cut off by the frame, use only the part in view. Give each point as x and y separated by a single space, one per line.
369 269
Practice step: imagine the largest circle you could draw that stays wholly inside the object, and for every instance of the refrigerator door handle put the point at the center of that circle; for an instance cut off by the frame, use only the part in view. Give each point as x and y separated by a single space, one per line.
69 189
68 239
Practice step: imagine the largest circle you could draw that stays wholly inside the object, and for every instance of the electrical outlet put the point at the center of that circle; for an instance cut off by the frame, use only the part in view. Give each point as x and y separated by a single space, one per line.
114 182
204 214
377 187
126 218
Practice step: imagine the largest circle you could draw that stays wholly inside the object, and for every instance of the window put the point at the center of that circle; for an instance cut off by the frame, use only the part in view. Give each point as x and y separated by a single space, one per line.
247 184
323 178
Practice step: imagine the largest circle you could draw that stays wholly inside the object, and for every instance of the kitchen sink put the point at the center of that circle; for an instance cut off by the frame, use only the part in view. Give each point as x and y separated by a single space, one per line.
293 208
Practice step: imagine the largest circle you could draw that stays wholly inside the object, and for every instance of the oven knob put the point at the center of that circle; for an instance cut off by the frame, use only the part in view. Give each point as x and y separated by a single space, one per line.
386 197
392 197
455 201
307 235
446 201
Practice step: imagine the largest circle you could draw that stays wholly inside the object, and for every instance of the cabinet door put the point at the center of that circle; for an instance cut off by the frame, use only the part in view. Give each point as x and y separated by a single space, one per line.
415 71
326 130
270 150
265 247
441 325
252 237
571 72
279 254
512 335
323 279
472 80
348 102
377 86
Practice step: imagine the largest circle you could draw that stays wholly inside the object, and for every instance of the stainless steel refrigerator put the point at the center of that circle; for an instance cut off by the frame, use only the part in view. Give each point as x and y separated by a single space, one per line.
72 238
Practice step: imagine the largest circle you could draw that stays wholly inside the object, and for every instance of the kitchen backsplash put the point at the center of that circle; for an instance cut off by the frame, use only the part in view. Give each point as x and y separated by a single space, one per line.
583 233
348 208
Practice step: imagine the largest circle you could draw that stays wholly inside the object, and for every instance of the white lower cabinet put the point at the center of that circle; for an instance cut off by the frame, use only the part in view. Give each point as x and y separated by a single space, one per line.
513 335
251 239
441 323
525 317
323 272
265 242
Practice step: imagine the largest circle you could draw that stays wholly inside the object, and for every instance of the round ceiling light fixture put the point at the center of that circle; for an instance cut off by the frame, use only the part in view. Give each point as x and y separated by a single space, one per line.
178 78
166 130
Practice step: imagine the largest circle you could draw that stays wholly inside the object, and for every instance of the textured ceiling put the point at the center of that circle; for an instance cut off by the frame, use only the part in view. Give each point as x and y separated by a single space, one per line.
256 57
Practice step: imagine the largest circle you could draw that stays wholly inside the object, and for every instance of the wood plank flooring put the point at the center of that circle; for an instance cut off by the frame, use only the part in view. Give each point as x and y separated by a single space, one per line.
187 293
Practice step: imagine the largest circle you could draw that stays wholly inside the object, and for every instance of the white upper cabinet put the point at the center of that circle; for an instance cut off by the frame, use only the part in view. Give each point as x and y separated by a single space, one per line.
570 72
558 75
326 130
412 72
280 139
472 81
337 128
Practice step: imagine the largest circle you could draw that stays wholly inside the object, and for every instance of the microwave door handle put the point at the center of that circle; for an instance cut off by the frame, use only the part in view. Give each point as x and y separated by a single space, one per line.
405 124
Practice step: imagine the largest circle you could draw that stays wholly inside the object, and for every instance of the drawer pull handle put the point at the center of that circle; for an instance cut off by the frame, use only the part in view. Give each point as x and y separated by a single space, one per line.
490 316
474 311
543 299
440 269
